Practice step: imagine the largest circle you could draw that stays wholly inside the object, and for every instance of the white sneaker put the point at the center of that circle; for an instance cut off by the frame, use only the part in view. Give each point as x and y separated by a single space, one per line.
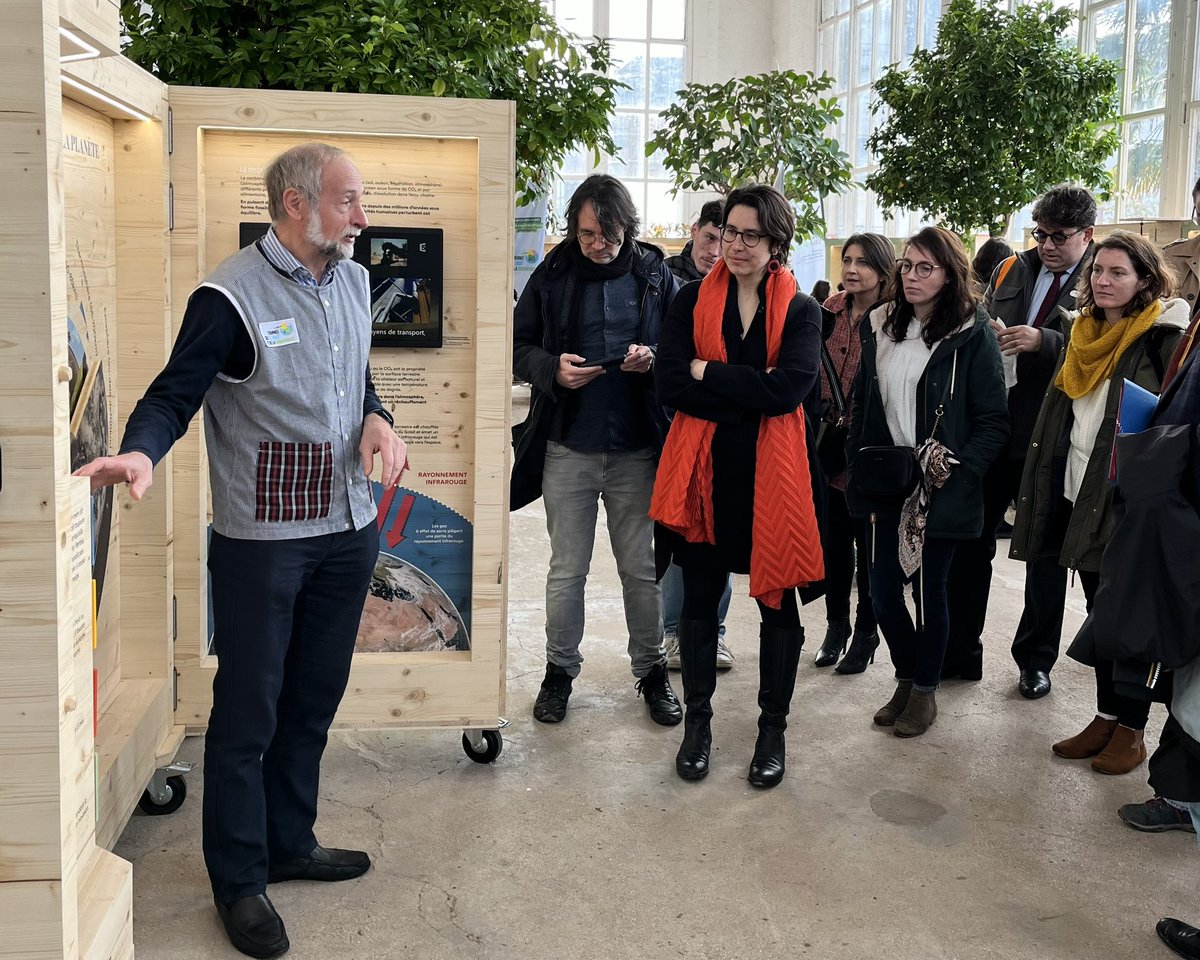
724 655
671 646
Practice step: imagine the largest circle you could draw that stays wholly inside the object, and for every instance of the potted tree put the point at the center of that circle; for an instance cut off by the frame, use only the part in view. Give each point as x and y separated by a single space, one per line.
1001 109
771 128
487 49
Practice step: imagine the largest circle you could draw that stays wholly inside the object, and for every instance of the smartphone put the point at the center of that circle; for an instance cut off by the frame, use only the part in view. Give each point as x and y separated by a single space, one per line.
606 362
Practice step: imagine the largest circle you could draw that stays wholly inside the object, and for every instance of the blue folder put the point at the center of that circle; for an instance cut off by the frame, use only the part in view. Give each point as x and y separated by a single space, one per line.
1136 409
1133 416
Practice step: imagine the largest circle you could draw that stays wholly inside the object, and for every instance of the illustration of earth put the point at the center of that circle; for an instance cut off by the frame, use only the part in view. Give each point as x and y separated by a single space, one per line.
406 611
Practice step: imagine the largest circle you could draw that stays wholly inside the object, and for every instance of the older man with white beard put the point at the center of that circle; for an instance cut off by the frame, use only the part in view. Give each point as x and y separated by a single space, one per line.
275 344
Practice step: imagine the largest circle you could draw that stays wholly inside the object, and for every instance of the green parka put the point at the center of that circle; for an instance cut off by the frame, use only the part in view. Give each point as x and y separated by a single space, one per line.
1042 482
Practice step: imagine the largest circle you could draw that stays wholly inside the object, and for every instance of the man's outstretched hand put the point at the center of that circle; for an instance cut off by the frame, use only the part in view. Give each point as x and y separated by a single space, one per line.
134 469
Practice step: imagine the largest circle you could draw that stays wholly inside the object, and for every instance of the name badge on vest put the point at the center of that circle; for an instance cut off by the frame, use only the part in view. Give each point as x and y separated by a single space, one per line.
279 333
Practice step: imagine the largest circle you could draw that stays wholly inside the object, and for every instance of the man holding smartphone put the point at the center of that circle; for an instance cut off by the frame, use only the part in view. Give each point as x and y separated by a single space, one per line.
584 333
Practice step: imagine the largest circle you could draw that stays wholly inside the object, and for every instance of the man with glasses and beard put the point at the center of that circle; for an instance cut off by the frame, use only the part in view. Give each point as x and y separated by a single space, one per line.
274 343
584 335
1026 297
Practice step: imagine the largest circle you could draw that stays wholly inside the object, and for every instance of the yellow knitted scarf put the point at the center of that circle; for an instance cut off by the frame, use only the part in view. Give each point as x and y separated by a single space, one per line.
1096 346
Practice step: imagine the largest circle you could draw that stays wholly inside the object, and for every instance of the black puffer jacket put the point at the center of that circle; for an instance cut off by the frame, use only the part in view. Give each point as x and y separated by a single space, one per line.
966 367
540 323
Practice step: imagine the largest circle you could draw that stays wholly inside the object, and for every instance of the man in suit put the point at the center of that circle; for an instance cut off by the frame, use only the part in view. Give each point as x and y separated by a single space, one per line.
1027 297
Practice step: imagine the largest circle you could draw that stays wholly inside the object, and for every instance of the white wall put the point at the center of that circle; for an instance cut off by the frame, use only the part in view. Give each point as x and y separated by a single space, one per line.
735 38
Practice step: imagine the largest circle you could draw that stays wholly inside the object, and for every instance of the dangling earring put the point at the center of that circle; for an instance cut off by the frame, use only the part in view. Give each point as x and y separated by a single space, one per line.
773 266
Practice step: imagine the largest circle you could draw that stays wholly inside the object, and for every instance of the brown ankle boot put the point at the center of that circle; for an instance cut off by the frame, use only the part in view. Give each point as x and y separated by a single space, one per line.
1125 751
1089 742
887 714
918 715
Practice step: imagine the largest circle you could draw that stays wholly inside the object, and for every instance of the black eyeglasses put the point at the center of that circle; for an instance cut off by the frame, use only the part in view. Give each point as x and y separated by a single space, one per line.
1059 238
749 237
922 269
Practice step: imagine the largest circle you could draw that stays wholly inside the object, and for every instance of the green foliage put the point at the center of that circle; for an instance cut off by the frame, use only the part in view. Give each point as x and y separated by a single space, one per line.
1002 109
480 49
721 135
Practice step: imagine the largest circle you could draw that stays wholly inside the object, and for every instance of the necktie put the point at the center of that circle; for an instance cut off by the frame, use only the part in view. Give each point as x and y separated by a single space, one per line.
1048 303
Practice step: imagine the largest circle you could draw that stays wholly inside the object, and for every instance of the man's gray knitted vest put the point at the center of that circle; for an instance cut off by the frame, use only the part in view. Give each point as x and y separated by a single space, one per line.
283 443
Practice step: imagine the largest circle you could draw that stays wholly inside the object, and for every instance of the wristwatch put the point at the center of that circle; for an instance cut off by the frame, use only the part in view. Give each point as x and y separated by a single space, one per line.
382 412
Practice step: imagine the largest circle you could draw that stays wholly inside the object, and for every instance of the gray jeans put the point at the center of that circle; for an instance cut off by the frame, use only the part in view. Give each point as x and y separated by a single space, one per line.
572 485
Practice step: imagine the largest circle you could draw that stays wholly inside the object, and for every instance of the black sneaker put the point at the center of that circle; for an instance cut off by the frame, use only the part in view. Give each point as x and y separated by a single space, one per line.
660 698
1156 816
551 703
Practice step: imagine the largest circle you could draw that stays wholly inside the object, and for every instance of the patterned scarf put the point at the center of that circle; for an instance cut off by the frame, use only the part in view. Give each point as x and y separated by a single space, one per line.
786 545
1096 346
934 460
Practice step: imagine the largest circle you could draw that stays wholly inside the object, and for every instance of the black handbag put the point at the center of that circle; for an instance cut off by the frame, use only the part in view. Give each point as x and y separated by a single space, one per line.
835 425
890 472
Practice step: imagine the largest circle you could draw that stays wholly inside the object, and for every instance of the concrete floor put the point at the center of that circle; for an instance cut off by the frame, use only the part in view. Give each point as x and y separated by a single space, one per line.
972 842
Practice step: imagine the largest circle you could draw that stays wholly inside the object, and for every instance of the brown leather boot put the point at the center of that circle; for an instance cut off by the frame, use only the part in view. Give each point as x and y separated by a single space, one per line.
1089 742
1125 751
918 715
886 715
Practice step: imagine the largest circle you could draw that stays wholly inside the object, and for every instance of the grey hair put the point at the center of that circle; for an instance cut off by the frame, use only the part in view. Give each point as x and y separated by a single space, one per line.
299 168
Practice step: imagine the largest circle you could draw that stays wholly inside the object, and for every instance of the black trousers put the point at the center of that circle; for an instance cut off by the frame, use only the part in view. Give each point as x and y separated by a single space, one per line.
286 616
1130 712
846 562
704 586
1039 632
970 582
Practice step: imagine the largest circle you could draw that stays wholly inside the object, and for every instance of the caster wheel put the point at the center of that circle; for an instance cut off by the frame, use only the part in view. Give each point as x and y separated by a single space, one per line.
493 743
176 794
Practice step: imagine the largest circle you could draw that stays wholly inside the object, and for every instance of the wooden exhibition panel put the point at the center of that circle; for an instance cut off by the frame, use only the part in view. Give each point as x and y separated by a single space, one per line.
428 165
86 247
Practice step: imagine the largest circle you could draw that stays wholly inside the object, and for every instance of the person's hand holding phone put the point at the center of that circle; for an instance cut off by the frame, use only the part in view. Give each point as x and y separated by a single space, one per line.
571 375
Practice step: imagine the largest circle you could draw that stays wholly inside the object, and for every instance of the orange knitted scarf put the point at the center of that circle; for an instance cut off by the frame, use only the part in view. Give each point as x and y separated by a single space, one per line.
786 544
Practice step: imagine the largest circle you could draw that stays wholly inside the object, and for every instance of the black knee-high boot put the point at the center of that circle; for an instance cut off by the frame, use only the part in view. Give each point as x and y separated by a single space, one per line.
779 652
698 664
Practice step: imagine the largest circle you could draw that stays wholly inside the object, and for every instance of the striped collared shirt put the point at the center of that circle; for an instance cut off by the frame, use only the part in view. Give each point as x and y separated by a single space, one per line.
282 259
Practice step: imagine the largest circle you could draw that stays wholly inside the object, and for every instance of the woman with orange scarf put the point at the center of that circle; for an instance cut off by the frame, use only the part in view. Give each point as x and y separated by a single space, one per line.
1124 331
737 358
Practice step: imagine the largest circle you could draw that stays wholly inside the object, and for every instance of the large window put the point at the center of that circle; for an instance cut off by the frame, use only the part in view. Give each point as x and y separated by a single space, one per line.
1136 34
859 40
649 46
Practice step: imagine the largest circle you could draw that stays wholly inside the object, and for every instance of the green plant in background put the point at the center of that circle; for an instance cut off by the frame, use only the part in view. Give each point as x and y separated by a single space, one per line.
478 49
770 128
1003 108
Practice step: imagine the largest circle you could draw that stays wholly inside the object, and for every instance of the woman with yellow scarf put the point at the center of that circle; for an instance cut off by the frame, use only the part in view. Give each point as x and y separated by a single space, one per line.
1124 330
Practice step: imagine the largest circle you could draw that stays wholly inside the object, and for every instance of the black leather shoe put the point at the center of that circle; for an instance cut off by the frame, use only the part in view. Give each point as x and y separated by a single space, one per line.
1181 937
1034 684
254 927
837 633
660 698
327 865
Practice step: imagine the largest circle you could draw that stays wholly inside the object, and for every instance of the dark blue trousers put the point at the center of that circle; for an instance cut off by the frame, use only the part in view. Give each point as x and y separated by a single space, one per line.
917 649
286 616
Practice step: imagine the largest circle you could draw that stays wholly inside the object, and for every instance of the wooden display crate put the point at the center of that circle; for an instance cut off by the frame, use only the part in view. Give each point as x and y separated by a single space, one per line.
98 283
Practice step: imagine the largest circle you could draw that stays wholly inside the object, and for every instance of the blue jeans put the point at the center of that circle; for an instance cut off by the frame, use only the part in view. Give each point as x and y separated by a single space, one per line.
573 483
672 600
917 654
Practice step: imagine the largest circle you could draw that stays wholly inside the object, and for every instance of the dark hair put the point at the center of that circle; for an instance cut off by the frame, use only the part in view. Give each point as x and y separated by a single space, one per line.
987 258
820 291
712 212
879 253
775 215
1148 262
956 298
614 208
1196 188
1066 205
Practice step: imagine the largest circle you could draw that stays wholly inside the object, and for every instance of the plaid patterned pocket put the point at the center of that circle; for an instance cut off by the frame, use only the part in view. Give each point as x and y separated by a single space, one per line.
294 481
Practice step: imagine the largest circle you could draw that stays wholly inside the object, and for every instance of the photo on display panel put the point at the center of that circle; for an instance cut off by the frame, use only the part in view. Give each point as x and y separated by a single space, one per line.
405 268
